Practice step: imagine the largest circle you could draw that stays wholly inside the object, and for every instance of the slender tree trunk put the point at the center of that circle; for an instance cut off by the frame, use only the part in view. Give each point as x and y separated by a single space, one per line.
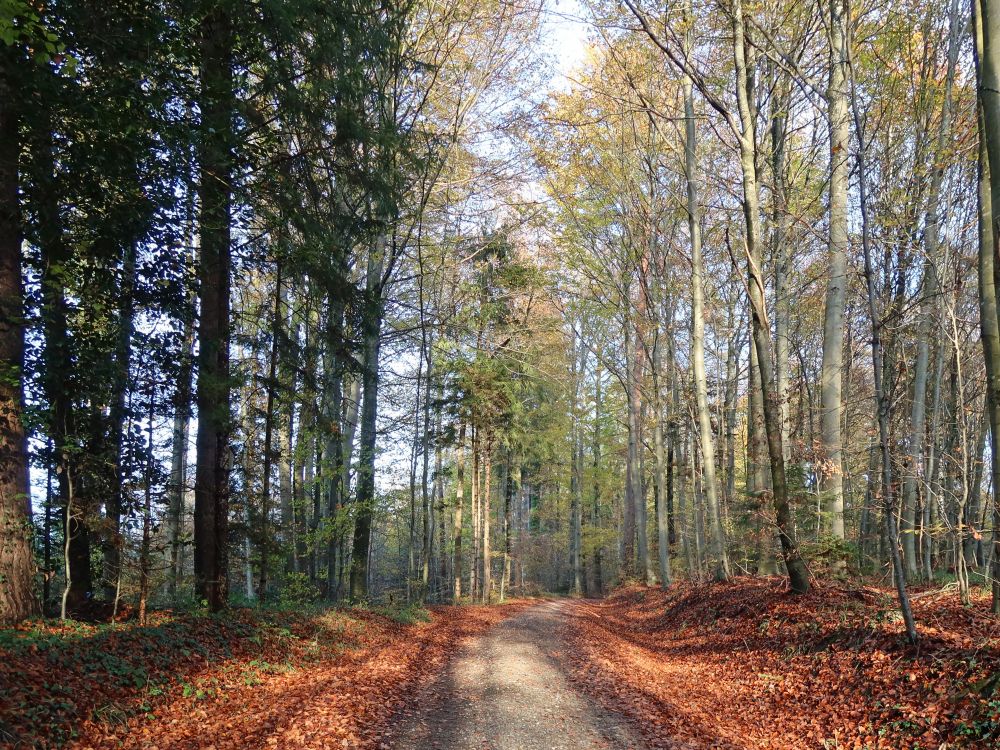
797 572
147 511
780 252
264 533
371 327
177 488
456 592
576 469
57 375
882 401
442 545
509 493
663 476
425 486
485 505
631 458
596 510
118 420
719 552
333 470
475 514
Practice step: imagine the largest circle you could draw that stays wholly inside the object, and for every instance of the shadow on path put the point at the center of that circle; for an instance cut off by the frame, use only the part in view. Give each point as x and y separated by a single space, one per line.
507 692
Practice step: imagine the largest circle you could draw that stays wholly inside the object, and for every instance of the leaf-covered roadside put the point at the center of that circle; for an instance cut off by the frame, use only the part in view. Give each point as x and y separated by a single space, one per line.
245 679
747 665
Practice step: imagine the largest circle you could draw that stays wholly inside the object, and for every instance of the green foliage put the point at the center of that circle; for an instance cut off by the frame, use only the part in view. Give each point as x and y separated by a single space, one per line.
406 614
298 590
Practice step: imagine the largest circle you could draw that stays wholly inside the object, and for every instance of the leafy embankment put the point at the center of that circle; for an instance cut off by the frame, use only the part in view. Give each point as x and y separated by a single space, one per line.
244 679
748 665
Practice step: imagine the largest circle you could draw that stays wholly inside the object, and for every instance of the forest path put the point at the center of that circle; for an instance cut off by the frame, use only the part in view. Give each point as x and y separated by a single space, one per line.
507 692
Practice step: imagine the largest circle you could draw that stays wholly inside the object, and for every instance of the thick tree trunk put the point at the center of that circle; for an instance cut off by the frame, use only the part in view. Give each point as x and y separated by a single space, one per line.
988 18
211 496
831 471
17 596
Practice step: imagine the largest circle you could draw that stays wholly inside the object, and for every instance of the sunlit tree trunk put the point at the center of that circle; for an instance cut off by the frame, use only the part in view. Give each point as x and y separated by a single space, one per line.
831 471
598 573
988 18
719 551
17 596
882 400
663 482
795 565
177 489
118 418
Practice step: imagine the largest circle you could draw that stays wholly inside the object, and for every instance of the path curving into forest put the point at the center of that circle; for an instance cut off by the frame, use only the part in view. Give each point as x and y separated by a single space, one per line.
507 691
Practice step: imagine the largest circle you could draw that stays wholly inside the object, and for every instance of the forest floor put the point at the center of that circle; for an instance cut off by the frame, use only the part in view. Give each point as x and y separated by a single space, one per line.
243 679
742 665
746 664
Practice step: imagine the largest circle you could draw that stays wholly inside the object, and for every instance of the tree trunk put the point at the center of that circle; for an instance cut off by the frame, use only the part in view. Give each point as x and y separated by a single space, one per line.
456 572
797 573
882 401
596 510
177 489
211 495
632 481
663 476
719 552
371 329
17 596
118 420
831 472
988 17
57 377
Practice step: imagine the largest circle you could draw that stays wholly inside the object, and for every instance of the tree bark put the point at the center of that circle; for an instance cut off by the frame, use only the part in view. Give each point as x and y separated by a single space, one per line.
211 528
831 471
17 567
988 18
